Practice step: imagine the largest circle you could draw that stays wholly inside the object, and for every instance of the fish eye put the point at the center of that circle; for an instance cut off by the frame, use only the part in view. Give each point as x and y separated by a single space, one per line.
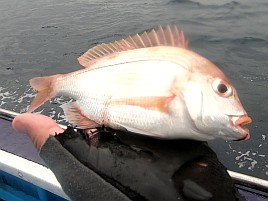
222 88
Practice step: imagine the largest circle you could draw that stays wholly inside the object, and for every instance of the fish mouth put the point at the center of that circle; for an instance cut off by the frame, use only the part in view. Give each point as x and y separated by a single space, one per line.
239 123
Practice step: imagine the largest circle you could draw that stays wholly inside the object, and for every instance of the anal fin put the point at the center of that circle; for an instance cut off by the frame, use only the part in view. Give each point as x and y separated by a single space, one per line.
75 116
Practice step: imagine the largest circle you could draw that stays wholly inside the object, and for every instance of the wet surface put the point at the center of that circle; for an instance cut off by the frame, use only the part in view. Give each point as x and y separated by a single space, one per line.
43 38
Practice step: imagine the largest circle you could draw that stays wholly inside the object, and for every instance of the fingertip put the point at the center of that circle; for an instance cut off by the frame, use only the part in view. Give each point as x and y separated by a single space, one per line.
14 123
37 126
18 123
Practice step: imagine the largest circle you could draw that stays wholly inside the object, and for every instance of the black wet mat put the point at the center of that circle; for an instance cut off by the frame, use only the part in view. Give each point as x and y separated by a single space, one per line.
17 143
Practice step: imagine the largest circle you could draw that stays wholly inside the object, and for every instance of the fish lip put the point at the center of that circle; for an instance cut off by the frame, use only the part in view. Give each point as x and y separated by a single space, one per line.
245 137
239 122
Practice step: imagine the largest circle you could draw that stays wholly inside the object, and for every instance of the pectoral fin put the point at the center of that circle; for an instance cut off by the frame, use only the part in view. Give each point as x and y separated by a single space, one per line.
75 116
152 103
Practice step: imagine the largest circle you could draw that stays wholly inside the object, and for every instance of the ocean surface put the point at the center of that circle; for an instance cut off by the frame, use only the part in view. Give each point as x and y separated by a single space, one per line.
39 38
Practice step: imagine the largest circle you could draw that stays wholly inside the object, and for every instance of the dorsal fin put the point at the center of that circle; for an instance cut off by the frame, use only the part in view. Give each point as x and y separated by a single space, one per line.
161 37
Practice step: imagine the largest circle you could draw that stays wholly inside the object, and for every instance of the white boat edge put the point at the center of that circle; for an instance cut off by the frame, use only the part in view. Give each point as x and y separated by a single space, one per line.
249 180
32 172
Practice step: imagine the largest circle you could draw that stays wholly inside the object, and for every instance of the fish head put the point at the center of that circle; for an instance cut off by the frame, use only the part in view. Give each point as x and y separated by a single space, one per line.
214 107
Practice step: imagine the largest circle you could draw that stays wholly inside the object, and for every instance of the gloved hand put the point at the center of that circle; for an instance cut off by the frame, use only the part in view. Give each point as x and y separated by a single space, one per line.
122 166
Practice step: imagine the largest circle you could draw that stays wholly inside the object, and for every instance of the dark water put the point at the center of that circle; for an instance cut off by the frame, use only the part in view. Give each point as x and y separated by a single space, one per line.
39 38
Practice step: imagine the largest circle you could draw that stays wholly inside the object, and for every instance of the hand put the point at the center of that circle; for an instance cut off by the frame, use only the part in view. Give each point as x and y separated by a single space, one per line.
38 127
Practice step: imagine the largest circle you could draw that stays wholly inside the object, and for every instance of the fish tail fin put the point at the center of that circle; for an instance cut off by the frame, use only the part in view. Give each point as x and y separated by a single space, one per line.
45 90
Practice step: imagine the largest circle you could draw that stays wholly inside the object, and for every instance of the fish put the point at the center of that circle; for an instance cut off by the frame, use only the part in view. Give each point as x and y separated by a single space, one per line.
151 84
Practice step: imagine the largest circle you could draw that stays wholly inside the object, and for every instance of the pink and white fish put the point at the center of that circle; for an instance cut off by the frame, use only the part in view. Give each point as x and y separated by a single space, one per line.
150 84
